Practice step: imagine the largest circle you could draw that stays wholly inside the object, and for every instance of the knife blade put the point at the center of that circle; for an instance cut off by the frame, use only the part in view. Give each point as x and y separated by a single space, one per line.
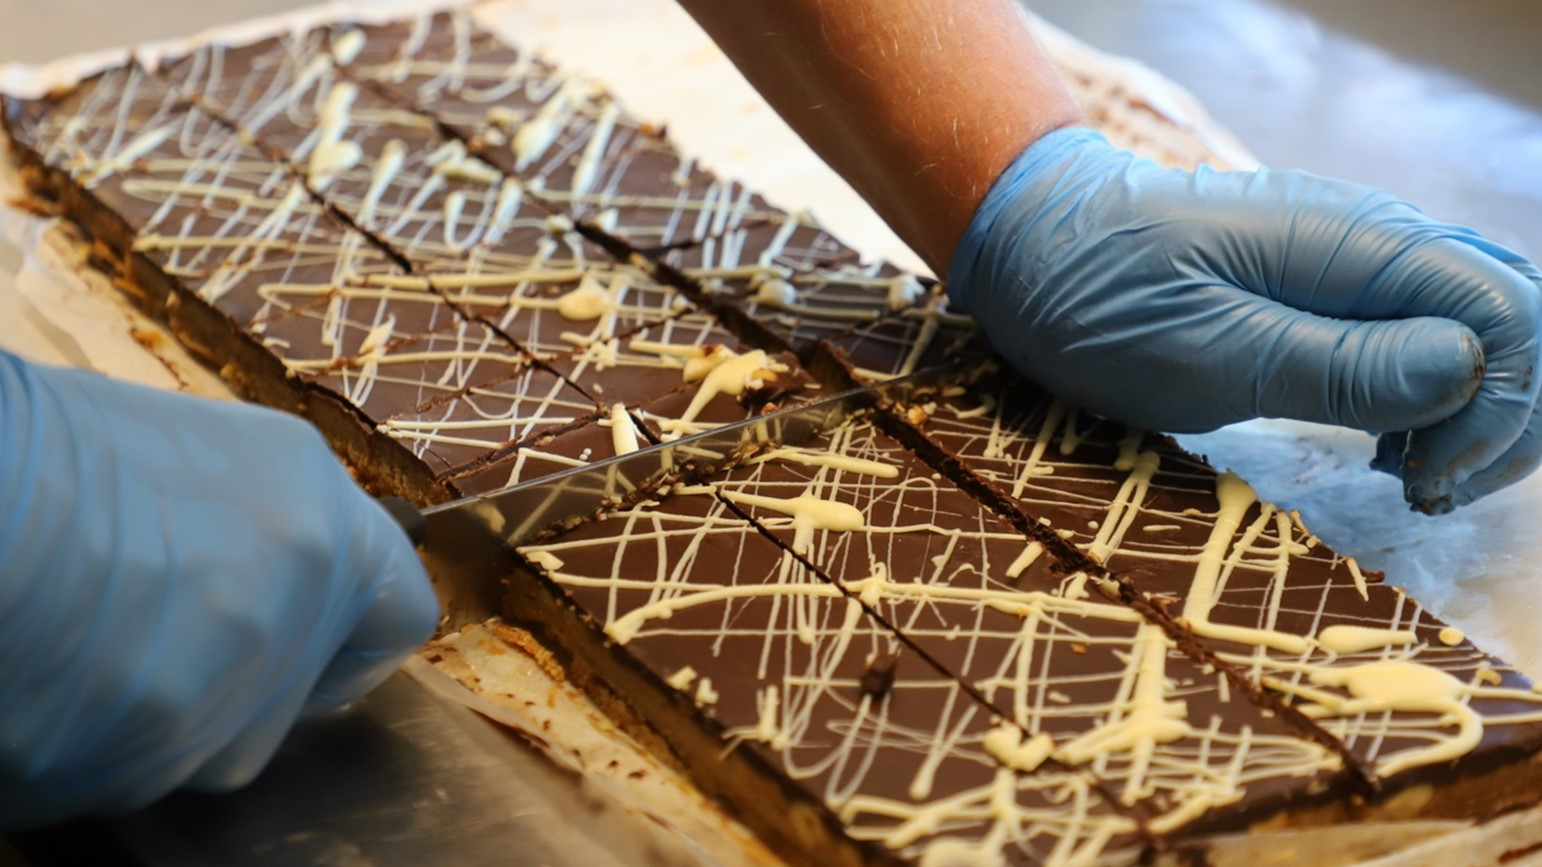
520 512
468 541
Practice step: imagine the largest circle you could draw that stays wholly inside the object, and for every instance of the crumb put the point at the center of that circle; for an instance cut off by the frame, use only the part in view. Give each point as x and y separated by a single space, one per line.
154 342
878 679
34 206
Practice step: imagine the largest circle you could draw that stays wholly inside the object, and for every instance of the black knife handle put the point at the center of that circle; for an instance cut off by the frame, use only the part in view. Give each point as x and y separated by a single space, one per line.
412 521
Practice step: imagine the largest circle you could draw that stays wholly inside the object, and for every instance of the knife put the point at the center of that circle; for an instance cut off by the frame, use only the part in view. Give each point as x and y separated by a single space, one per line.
472 538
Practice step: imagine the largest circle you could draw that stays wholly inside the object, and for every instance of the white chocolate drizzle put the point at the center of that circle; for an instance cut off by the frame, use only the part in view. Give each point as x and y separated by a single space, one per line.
814 716
682 679
332 154
1321 668
716 368
1005 744
1344 638
623 432
237 230
1138 735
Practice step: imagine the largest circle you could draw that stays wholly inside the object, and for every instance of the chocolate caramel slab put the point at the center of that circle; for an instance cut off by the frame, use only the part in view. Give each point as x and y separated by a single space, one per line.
1410 697
776 659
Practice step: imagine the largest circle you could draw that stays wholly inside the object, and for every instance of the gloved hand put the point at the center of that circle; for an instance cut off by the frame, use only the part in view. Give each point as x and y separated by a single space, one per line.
1184 301
181 580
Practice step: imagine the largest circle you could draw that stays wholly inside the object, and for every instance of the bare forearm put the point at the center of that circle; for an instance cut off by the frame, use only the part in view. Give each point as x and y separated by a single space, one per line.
919 104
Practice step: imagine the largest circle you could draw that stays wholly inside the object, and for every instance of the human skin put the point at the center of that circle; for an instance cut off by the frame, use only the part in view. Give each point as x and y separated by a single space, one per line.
904 98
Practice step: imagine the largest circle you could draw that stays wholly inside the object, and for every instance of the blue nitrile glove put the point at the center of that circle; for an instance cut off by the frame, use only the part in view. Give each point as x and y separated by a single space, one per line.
180 580
1183 301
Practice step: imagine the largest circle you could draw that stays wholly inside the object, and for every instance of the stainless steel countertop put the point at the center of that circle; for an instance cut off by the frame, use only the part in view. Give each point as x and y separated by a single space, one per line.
404 777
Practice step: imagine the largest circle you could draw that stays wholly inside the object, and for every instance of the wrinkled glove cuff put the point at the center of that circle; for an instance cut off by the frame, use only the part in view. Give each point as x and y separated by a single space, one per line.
18 438
1041 162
